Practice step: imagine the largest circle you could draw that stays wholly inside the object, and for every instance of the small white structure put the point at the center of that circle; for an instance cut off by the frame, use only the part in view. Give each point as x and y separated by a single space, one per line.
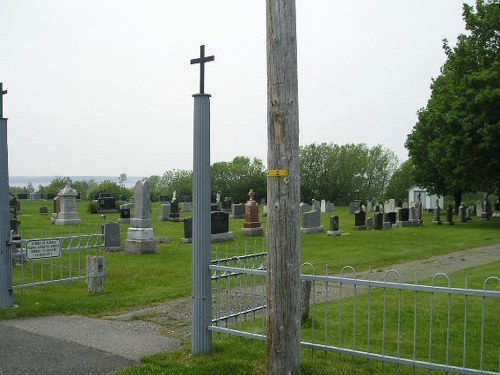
428 200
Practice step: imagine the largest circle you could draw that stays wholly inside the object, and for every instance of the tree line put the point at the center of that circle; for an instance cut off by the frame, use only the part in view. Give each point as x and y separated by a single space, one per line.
328 171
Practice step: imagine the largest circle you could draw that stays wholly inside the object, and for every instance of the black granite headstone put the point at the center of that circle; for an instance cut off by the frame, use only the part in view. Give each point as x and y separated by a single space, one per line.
188 227
220 222
334 223
360 218
390 217
174 209
379 221
124 213
404 214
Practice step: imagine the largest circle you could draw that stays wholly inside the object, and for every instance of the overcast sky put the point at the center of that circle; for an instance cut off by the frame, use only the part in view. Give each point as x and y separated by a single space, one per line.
103 87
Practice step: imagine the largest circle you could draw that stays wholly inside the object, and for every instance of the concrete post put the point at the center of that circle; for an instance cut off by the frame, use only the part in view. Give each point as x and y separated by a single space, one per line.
6 297
201 336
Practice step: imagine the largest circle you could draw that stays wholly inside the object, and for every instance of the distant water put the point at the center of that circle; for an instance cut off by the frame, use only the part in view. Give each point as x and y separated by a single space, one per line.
22 181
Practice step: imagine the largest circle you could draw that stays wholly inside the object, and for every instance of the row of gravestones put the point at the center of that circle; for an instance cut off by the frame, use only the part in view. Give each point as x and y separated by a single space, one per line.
140 236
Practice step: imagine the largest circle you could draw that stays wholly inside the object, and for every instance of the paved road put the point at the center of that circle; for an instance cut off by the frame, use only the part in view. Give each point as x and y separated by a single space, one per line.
75 345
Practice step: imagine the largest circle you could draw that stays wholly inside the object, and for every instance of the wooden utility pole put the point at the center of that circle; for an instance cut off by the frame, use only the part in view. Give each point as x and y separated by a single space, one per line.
283 191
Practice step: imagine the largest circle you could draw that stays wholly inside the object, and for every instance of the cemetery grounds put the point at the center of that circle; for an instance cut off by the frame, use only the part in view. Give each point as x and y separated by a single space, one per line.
154 290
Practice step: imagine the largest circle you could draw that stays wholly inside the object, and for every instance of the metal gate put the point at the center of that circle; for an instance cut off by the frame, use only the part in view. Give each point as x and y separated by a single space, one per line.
44 261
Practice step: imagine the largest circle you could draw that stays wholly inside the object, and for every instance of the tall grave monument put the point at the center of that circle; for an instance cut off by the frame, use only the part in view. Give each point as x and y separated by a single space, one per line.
201 337
67 200
252 226
140 236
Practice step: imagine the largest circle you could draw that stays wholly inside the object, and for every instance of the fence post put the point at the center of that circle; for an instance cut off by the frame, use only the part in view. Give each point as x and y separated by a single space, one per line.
95 274
201 336
6 297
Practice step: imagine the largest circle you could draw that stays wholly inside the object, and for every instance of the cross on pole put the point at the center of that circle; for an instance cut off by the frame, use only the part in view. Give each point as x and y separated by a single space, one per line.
202 60
2 93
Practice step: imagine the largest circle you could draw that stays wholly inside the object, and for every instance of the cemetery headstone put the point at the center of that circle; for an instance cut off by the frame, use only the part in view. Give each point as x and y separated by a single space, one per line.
220 227
437 214
174 210
470 212
304 207
188 229
330 207
479 209
462 213
226 204
404 216
418 209
237 211
412 216
449 216
369 223
125 213
163 199
378 221
360 219
311 222
67 200
316 204
351 208
369 206
252 226
496 211
390 217
164 212
486 208
35 196
334 226
323 205
112 239
43 210
187 206
23 195
106 202
140 237
214 207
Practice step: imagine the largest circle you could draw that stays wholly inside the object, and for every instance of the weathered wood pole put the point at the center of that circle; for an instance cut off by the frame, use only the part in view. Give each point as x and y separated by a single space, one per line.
283 191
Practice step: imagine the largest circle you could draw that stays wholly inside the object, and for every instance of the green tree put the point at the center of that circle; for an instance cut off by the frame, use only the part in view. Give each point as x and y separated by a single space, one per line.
122 178
53 187
114 189
401 181
178 180
334 172
237 177
454 144
83 186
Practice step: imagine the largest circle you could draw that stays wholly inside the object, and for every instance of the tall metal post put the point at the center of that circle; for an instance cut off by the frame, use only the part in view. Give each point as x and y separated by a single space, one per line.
6 297
201 336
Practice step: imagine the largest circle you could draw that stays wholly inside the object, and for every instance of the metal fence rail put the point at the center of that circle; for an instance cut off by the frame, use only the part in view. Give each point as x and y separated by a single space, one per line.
434 326
70 265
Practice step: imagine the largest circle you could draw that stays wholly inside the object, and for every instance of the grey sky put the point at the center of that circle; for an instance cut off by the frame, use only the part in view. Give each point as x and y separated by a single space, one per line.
104 87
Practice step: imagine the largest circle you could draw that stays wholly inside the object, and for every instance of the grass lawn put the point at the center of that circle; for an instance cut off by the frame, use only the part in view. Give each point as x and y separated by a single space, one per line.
140 280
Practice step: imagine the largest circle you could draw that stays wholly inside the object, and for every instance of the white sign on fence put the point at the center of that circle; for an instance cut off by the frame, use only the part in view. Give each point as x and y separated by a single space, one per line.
38 249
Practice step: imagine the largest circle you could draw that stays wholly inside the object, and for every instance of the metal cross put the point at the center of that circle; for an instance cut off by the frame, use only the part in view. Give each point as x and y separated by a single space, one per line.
2 93
202 60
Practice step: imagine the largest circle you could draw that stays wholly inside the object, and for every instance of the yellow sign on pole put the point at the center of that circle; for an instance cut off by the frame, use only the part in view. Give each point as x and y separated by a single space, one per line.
277 173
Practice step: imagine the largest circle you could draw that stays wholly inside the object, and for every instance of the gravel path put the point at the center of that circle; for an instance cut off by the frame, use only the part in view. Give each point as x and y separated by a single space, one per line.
174 317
